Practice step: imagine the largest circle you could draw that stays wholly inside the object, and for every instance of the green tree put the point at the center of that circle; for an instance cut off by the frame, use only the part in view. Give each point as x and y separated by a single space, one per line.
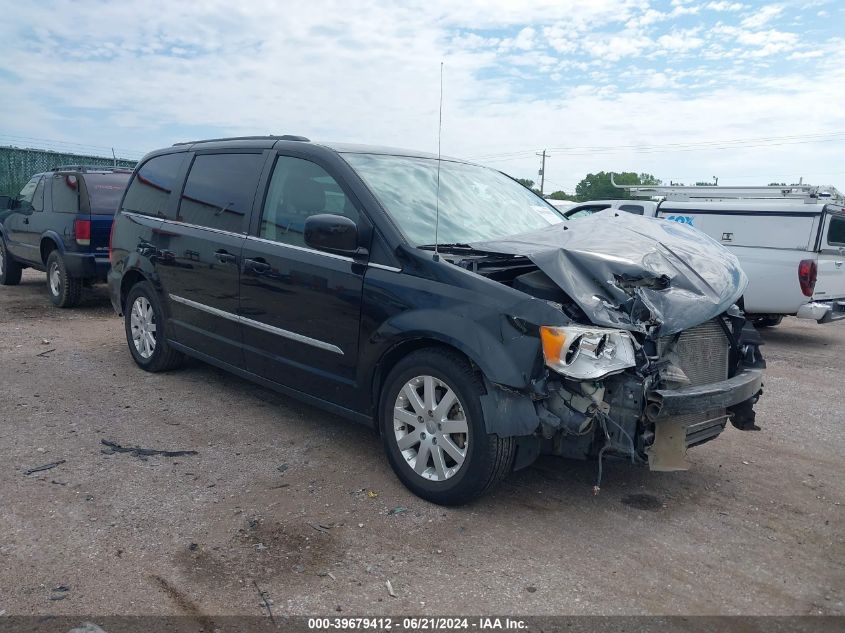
598 186
528 184
561 195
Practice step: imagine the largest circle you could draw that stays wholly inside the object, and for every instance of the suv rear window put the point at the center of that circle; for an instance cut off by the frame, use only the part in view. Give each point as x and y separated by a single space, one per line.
220 190
65 191
150 190
836 232
105 191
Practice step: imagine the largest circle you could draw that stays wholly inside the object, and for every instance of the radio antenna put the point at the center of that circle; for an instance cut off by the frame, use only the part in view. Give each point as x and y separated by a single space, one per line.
437 200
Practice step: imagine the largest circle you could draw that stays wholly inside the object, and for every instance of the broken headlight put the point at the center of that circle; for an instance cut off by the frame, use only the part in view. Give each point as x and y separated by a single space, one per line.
586 353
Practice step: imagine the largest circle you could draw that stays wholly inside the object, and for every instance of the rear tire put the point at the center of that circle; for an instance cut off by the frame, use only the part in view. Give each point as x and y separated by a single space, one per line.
10 270
143 320
768 321
462 461
65 289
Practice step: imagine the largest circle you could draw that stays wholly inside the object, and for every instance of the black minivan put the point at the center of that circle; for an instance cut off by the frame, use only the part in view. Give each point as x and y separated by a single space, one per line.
438 301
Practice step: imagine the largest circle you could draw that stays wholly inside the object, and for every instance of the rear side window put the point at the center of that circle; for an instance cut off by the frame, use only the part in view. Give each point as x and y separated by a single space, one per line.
220 190
65 191
25 196
836 232
104 191
150 190
632 208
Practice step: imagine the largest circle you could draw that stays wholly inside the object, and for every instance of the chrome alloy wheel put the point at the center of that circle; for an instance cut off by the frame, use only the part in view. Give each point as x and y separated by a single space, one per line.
431 428
142 323
55 279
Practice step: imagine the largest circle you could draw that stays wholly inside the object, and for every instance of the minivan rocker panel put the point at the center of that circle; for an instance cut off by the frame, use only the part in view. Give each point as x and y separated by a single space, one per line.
315 270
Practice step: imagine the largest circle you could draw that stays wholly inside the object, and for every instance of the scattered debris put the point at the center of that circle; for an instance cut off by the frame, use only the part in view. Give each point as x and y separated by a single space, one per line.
279 486
144 452
266 600
323 574
260 547
319 528
360 525
746 463
193 547
46 351
87 627
38 469
372 494
390 591
59 593
397 510
283 468
531 589
44 341
298 568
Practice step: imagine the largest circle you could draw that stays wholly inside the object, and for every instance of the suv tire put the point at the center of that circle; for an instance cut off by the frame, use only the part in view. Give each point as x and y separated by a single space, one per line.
10 270
64 289
438 375
143 320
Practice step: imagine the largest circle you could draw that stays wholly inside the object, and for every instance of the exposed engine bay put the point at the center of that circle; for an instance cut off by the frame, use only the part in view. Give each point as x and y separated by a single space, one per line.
658 356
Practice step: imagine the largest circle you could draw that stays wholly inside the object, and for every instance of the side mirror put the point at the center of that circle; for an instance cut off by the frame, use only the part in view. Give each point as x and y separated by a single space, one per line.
331 233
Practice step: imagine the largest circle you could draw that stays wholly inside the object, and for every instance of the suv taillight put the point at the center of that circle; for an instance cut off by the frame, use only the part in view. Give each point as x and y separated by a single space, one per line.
807 273
82 232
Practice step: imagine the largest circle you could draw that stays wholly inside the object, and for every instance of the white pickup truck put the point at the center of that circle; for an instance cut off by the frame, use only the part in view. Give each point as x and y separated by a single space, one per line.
789 240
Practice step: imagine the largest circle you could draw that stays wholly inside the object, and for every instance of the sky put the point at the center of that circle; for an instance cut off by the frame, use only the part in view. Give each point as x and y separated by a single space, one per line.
750 92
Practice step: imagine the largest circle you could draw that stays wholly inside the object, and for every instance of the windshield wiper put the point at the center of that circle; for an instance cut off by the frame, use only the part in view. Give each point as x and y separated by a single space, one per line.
453 246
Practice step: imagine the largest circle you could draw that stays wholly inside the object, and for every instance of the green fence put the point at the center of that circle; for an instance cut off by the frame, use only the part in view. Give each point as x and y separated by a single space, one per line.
18 165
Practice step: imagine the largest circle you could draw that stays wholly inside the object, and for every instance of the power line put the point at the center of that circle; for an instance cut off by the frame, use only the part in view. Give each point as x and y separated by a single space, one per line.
766 141
66 145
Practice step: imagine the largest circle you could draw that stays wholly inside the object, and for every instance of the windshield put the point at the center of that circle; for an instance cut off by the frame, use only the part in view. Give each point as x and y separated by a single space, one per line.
476 203
105 190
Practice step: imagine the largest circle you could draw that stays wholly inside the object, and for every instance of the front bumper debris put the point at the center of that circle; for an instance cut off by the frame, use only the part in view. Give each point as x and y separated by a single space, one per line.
823 311
667 403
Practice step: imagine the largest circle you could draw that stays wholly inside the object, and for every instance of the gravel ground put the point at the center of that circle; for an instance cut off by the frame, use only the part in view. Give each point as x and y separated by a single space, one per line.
288 500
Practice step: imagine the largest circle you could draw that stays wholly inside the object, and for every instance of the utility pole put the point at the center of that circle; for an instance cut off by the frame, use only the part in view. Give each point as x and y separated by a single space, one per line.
542 172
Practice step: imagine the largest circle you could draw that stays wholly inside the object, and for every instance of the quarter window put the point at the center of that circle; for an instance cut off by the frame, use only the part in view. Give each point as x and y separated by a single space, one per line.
150 190
632 208
220 190
299 189
28 191
836 232
65 191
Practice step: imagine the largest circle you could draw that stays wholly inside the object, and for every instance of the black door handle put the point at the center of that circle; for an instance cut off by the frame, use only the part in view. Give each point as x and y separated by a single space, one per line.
256 266
26 220
225 258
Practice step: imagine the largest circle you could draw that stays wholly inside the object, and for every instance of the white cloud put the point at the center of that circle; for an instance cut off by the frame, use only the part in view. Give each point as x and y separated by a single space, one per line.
724 6
762 16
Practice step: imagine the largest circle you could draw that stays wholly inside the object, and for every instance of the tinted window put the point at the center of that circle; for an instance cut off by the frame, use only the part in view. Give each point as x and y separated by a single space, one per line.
105 190
150 189
298 189
38 196
65 193
836 232
632 208
220 190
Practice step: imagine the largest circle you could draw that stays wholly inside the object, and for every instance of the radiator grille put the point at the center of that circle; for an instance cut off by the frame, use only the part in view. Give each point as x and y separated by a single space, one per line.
703 355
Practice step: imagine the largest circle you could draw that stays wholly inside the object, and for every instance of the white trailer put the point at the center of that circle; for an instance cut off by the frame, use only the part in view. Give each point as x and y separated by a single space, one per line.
789 240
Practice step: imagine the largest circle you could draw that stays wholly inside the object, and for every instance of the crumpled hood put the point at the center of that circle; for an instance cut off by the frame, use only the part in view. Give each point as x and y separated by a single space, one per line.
635 273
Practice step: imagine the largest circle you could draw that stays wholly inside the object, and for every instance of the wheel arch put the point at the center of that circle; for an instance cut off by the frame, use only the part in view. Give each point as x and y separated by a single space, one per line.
131 278
50 242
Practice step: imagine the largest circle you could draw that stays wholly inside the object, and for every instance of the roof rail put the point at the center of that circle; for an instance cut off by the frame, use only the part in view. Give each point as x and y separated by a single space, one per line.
284 137
801 192
84 168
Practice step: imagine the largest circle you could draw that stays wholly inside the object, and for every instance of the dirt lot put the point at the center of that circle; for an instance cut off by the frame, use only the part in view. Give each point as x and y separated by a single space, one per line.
303 505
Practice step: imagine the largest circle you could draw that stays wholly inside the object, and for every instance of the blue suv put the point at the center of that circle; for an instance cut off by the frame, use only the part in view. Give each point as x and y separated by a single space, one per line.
60 223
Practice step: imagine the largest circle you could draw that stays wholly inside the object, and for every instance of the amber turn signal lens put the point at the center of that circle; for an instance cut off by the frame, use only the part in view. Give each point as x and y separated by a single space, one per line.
553 340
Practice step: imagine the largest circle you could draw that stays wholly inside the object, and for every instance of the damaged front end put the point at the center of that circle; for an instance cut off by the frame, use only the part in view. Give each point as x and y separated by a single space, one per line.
655 357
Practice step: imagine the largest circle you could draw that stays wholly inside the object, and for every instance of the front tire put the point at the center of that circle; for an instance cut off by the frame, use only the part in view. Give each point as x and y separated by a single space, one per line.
143 320
65 289
10 270
433 429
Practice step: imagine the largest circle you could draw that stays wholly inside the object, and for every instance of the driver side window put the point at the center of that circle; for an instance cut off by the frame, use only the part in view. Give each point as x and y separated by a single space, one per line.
299 189
28 193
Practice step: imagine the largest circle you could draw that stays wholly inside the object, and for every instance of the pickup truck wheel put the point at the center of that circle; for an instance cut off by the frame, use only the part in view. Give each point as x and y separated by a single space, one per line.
433 429
10 270
144 324
65 289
